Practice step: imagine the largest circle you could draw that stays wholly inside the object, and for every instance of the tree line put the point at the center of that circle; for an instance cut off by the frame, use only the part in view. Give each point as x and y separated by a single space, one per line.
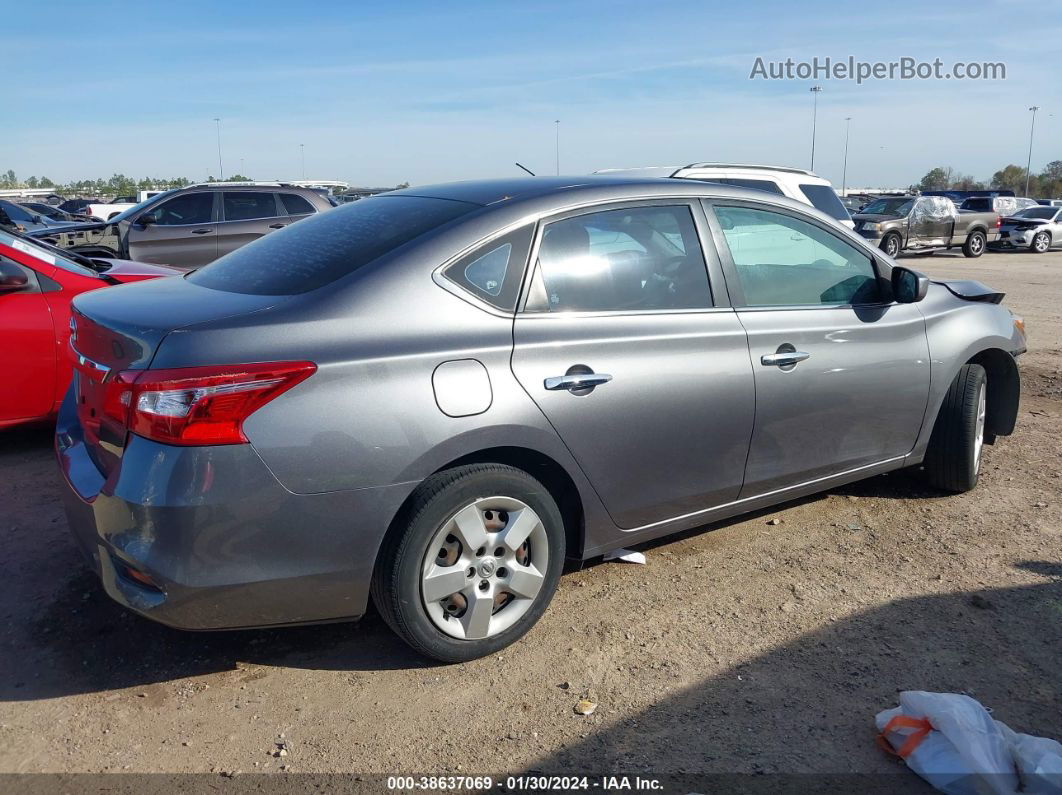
117 185
1045 185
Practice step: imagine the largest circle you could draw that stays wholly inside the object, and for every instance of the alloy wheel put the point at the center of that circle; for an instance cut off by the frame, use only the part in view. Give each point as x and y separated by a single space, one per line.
484 567
1041 243
979 428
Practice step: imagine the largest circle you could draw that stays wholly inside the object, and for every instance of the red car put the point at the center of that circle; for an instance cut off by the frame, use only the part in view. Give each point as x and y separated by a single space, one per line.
37 284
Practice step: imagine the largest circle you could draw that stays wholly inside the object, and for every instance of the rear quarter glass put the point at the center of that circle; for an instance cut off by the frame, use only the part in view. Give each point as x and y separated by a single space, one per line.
321 249
824 198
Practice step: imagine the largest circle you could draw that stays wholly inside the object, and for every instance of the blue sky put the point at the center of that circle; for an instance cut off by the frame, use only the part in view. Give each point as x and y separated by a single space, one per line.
424 92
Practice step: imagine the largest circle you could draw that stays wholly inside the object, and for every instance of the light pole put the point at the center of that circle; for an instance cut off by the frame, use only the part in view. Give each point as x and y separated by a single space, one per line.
221 168
302 154
1028 163
241 165
815 91
556 125
844 172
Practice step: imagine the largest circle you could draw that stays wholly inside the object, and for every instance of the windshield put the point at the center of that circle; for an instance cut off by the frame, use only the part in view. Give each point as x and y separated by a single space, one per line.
1037 212
897 207
44 252
16 213
325 247
136 208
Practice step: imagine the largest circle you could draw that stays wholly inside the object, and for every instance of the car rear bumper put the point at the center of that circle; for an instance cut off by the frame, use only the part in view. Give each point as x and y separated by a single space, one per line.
207 538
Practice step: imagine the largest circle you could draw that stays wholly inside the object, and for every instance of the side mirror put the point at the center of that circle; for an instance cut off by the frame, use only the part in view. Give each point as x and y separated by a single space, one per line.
147 219
12 278
908 286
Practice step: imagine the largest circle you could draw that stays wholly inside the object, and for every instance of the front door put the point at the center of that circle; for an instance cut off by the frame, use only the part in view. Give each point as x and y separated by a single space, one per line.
183 232
645 379
842 374
932 219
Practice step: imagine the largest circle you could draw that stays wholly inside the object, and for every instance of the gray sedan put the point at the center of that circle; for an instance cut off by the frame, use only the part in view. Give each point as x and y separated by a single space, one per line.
1035 229
433 397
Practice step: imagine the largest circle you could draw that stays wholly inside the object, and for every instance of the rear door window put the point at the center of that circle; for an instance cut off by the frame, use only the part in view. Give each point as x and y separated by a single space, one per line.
824 198
328 246
630 259
295 204
248 205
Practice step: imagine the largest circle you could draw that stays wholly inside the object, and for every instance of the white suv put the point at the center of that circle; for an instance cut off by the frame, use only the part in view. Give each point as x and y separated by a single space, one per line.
796 183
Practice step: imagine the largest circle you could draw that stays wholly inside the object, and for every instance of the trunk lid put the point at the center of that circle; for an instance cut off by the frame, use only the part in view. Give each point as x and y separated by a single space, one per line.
119 329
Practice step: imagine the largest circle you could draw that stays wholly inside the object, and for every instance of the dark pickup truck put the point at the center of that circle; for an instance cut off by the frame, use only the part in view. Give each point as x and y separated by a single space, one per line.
925 223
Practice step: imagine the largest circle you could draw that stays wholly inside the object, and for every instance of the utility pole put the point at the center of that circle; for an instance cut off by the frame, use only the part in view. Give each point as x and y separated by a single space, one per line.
844 172
221 168
556 125
815 91
1028 163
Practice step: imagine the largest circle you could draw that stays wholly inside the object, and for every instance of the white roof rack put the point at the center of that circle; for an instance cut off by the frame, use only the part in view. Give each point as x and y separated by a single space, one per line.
788 169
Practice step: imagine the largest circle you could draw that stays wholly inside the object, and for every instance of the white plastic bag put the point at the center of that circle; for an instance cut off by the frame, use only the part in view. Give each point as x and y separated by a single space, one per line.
952 742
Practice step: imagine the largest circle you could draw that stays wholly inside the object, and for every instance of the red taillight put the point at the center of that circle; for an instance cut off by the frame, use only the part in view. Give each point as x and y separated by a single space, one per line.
999 222
198 405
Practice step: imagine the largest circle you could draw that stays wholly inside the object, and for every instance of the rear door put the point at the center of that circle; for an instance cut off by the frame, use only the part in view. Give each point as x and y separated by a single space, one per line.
842 375
184 232
27 389
246 216
645 377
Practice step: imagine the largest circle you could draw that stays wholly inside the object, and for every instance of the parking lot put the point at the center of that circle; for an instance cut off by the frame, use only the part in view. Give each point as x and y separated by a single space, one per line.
749 646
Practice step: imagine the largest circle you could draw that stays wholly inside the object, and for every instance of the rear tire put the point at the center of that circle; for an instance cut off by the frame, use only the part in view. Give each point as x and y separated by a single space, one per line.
974 245
454 541
1041 243
953 458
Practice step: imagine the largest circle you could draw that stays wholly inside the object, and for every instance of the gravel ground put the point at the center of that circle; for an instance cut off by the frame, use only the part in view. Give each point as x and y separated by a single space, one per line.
747 646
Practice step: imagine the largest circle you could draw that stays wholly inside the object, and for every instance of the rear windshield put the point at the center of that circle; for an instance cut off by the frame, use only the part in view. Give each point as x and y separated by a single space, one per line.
825 198
318 250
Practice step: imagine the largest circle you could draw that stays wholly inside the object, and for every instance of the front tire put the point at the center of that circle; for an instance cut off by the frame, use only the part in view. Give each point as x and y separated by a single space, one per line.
474 566
1041 243
974 245
892 245
953 458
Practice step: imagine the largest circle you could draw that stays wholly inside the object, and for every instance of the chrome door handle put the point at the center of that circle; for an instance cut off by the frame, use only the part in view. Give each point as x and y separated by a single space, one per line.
783 359
576 381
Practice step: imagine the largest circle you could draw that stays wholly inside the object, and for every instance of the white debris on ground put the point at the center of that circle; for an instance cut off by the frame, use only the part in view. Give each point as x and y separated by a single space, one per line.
953 742
626 555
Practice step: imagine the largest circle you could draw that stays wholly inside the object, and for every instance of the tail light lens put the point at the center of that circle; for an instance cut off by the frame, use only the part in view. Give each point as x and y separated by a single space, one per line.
198 405
999 222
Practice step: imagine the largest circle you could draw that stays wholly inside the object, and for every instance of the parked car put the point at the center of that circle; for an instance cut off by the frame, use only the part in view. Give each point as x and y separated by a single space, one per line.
1035 228
53 213
1003 205
959 196
1050 202
796 183
23 220
189 227
76 206
105 211
439 393
925 223
37 284
853 203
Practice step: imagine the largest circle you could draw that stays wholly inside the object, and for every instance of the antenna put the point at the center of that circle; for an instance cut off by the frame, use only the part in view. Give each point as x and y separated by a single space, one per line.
529 171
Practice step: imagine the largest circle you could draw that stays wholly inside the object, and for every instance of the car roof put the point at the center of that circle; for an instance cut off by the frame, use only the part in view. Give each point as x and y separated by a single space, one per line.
671 171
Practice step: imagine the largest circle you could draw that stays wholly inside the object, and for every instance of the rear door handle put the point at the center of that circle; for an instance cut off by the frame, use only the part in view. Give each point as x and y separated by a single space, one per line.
576 381
277 226
202 231
783 359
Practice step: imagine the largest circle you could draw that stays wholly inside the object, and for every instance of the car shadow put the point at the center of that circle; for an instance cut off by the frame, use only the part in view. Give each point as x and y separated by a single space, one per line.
800 717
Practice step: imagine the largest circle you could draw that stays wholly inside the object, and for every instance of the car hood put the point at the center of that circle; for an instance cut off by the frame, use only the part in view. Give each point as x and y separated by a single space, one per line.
970 290
125 270
64 226
1013 219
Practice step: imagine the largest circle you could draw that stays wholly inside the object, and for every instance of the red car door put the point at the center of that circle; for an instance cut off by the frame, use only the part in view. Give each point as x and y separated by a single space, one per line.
27 391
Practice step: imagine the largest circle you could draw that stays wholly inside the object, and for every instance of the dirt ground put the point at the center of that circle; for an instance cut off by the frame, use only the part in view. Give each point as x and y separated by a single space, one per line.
743 647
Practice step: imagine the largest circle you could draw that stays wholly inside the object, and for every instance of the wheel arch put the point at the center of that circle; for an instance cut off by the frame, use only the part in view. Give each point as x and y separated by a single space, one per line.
1004 390
544 468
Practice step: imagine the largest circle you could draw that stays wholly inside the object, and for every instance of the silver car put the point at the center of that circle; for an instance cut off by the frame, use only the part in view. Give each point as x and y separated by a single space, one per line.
433 397
1036 229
